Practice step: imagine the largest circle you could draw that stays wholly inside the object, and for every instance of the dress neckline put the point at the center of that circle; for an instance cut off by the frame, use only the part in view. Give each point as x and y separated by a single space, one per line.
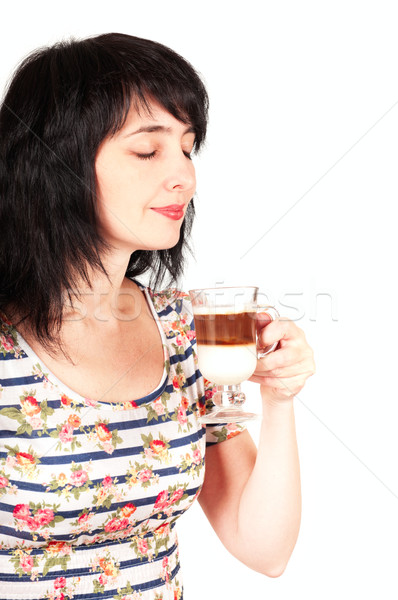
41 369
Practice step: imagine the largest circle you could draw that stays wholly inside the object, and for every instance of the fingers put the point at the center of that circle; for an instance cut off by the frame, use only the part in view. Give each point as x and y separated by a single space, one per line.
278 330
303 370
284 371
263 319
284 357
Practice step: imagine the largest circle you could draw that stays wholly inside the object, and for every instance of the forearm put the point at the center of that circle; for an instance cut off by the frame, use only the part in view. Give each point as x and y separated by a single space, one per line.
270 505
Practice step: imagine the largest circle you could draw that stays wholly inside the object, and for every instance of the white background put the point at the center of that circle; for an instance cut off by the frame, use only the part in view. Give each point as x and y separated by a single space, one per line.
304 116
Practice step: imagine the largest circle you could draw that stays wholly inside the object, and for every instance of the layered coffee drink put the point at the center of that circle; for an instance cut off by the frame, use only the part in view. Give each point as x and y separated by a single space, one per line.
226 344
226 335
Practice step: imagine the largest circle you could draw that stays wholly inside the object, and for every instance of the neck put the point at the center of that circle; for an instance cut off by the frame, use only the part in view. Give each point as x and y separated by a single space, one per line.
107 299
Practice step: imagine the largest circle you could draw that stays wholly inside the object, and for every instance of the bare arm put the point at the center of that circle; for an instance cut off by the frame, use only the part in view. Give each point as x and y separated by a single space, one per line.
252 499
252 496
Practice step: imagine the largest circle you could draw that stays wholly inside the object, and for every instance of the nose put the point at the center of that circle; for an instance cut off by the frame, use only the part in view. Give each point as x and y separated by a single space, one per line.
181 176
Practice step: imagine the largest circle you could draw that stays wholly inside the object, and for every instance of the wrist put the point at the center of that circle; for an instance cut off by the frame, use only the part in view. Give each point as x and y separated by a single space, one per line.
272 401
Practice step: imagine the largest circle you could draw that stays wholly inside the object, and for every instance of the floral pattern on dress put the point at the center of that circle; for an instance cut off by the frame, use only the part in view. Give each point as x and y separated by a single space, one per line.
91 492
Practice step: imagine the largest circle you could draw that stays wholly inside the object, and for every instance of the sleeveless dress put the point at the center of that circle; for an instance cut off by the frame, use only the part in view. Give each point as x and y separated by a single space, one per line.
90 492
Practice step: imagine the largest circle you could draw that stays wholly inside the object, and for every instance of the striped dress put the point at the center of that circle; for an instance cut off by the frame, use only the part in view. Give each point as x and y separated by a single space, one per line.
90 492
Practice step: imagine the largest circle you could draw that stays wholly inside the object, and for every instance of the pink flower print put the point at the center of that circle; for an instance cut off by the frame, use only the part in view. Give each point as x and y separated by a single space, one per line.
44 516
197 457
191 334
66 433
107 481
21 511
7 342
144 475
59 583
112 525
166 327
162 500
178 340
36 423
123 523
83 519
90 402
11 461
148 453
165 569
33 523
158 407
209 394
102 579
182 415
232 427
78 478
107 447
142 546
116 525
168 511
176 496
3 481
26 563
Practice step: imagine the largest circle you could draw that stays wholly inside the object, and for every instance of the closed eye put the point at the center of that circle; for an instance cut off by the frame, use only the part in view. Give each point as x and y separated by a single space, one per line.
153 154
146 156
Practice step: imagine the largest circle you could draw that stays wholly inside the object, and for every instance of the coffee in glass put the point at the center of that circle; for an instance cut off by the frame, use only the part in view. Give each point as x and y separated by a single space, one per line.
225 323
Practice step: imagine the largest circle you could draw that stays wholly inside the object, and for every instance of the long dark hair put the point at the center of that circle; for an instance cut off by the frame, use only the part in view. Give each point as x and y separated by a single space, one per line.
62 102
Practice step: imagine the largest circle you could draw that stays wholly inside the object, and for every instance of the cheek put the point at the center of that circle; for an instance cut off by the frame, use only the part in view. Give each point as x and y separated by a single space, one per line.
114 191
193 174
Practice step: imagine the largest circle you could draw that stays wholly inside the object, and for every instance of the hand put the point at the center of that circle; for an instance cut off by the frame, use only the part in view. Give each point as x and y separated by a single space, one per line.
282 373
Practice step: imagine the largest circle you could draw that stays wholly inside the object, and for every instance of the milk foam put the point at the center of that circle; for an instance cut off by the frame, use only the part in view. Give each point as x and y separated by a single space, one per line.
227 365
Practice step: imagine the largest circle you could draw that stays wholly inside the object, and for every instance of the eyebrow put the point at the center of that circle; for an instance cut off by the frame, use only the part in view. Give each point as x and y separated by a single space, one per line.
157 129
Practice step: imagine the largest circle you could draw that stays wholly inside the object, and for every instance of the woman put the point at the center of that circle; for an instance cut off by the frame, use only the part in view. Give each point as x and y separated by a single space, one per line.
101 447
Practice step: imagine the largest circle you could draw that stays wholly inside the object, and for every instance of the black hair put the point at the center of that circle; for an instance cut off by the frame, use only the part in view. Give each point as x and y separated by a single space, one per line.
62 102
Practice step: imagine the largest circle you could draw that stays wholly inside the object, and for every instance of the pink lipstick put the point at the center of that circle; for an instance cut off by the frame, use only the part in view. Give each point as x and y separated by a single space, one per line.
174 211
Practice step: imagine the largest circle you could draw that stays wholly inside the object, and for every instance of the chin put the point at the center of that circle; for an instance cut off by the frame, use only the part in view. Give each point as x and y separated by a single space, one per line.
166 243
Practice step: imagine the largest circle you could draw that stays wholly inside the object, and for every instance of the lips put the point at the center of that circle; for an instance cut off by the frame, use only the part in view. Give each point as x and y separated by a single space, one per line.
173 211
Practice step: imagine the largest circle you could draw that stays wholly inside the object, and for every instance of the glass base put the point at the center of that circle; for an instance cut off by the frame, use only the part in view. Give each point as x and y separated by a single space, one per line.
228 415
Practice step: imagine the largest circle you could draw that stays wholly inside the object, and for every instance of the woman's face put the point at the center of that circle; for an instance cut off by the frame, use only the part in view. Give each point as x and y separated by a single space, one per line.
145 180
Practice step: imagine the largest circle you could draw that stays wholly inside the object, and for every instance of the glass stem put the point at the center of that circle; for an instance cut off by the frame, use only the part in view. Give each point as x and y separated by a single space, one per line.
229 395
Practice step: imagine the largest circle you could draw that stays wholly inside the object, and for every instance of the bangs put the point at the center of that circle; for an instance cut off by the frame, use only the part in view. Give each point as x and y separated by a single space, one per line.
181 104
137 78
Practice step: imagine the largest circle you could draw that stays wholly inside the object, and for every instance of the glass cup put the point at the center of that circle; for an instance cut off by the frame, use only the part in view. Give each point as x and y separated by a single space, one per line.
226 335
